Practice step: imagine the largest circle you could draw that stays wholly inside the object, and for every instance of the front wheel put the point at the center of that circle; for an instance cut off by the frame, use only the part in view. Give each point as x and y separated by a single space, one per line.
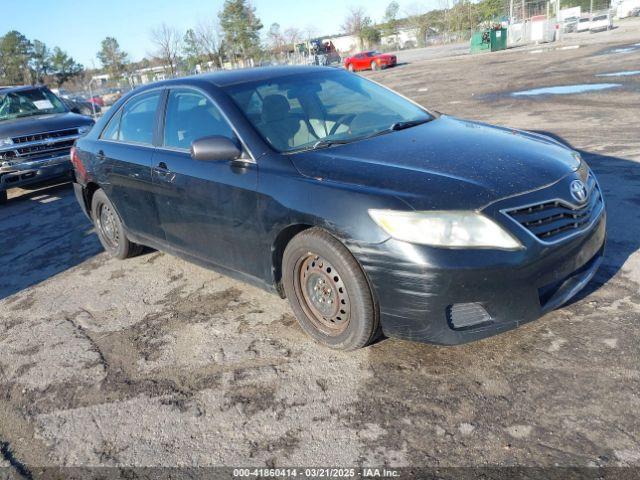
328 291
374 66
110 229
350 67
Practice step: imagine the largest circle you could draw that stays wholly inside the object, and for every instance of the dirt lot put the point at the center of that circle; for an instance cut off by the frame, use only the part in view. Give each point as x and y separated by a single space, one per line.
154 362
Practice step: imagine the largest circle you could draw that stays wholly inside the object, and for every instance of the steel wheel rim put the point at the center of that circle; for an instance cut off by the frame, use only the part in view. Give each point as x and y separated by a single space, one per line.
108 226
322 294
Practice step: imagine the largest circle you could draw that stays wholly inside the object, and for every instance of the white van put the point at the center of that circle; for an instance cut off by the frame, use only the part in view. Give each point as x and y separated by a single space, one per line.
601 22
584 24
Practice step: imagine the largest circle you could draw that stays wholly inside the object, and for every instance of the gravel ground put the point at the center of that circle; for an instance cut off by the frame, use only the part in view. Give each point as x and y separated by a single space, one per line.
156 362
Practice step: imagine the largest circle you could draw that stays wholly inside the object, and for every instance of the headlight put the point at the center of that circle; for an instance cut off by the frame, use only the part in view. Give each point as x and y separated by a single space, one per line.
84 129
5 142
445 229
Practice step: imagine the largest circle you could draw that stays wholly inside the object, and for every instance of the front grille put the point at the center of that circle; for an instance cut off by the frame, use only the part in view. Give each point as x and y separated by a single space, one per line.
38 137
35 152
40 146
555 220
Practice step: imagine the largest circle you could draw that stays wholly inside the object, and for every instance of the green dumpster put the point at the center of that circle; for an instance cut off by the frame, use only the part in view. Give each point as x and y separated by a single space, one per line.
479 42
498 39
492 39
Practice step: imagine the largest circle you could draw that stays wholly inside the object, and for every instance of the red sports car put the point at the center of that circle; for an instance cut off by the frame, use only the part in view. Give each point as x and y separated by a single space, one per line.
369 60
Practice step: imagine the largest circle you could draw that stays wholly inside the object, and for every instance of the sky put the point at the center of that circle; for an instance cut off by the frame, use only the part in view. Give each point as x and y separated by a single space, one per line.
78 26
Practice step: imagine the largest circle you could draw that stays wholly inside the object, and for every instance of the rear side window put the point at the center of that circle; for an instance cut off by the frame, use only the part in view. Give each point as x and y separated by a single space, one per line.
113 128
191 115
138 119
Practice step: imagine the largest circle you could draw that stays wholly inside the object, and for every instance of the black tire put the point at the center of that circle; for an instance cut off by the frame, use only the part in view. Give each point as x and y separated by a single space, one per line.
358 323
3 197
110 229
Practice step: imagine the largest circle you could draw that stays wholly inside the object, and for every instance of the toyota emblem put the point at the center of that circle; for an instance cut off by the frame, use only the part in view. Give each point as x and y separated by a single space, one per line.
578 191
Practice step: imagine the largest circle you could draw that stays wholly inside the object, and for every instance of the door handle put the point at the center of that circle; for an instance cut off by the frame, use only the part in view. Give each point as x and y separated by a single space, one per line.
163 172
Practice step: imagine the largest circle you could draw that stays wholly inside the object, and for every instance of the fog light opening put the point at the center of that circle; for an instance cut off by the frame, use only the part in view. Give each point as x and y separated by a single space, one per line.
464 316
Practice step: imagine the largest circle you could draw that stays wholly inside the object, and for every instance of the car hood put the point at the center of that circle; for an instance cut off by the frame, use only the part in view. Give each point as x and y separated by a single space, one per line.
42 123
447 163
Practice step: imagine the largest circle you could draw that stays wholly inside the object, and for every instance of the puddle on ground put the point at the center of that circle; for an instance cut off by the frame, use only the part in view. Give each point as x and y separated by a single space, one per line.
619 74
623 49
566 89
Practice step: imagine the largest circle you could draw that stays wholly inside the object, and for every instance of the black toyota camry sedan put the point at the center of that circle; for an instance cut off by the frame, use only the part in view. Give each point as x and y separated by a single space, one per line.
370 213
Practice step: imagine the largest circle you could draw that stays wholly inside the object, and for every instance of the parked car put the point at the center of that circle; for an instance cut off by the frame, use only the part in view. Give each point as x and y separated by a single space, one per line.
111 96
601 22
80 106
570 24
37 132
96 100
584 24
368 212
369 60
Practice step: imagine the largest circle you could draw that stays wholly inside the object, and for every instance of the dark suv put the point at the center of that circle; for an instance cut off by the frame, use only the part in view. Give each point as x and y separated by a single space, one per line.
37 132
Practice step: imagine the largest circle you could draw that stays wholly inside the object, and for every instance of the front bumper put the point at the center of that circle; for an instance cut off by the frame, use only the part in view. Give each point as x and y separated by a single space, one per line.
34 172
416 285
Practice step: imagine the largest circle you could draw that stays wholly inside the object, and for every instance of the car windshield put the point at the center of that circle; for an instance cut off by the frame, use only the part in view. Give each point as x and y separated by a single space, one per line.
320 109
24 103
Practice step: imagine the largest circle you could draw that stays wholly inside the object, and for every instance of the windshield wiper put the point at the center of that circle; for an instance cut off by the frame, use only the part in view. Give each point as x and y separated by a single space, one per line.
408 124
328 142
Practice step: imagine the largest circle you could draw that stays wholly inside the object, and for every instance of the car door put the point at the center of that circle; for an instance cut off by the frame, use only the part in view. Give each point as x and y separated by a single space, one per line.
359 61
207 209
125 153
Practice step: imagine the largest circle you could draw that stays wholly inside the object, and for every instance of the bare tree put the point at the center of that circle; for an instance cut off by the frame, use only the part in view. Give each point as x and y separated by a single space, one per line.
276 39
210 41
168 44
355 21
417 20
310 32
292 36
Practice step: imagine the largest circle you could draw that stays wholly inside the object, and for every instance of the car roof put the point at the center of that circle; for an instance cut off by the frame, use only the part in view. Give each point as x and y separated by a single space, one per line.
20 88
246 75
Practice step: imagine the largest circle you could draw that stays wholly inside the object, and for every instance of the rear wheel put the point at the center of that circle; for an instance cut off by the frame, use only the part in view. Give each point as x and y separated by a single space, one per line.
110 229
3 197
328 291
374 65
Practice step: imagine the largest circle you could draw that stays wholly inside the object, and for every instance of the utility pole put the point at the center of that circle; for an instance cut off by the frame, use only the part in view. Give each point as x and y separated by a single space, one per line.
591 9
558 19
510 12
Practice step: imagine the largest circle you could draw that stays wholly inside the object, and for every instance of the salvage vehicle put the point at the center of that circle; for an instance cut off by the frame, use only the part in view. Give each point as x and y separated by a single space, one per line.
369 60
37 131
584 24
370 213
78 105
601 23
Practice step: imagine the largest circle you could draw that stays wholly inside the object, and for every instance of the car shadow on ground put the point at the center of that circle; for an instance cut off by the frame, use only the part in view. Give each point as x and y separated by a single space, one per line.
43 233
619 180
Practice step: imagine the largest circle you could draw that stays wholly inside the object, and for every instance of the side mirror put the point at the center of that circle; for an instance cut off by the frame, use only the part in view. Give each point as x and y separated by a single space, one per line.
215 148
76 110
